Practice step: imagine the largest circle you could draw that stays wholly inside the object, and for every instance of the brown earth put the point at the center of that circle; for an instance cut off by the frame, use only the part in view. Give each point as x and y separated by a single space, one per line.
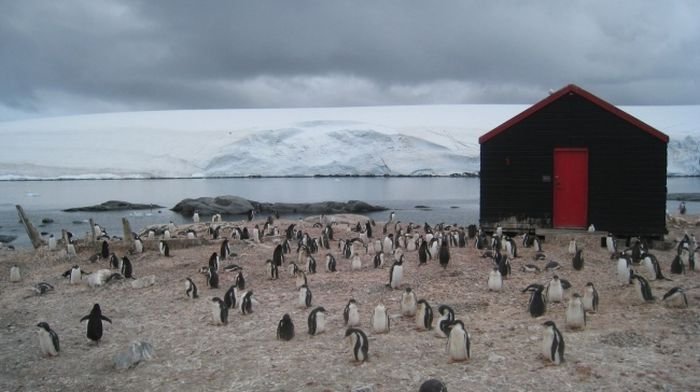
625 346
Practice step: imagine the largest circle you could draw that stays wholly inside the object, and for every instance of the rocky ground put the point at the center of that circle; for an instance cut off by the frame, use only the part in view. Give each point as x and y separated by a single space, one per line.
627 345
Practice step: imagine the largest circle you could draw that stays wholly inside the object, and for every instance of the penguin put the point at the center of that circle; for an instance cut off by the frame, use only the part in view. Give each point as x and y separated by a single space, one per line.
651 264
677 266
433 385
611 245
75 275
575 313
511 247
14 274
164 248
330 263
225 250
578 260
114 261
409 303
285 328
642 287
444 254
434 248
554 290
359 344
424 316
388 244
380 320
305 296
530 268
126 268
676 298
138 245
191 234
190 289
166 234
552 266
239 281
503 265
396 274
573 247
552 343
351 315
94 325
52 242
317 321
495 282
379 260
195 217
105 250
48 340
70 248
536 305
444 323
214 262
278 255
590 298
219 311
392 215
356 263
230 297
246 302
212 279
42 288
301 279
458 344
151 234
272 270
623 269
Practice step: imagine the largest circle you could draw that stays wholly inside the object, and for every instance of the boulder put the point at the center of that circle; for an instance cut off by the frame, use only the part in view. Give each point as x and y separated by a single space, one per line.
7 238
114 205
225 205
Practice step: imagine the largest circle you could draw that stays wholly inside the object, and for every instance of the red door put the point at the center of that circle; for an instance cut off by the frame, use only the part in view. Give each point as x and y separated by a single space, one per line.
570 187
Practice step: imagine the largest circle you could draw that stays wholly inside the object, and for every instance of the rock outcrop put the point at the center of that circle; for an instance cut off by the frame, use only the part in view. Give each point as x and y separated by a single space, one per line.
114 205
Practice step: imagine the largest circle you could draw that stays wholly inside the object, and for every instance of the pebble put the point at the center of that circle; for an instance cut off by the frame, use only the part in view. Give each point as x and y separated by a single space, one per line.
496 358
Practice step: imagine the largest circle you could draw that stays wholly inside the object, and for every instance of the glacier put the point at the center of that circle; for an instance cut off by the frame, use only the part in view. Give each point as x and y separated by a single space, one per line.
381 140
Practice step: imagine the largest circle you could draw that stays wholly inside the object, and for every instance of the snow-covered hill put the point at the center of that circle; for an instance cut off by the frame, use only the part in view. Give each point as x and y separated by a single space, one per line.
395 140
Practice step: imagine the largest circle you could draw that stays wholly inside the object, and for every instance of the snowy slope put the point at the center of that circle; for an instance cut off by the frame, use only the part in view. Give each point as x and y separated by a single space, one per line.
396 140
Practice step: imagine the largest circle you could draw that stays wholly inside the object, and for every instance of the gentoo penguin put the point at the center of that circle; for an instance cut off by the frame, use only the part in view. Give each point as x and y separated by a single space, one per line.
444 323
105 250
195 217
396 274
379 260
246 301
495 282
409 302
503 264
590 298
552 266
577 260
424 316
433 385
305 296
214 262
151 234
230 297
190 289
573 247
623 270
42 288
14 274
677 265
351 315
94 325
651 264
554 291
444 254
278 255
212 279
356 263
423 253
219 311
48 340
114 261
164 248
52 242
240 280
511 247
611 245
330 263
575 313
138 245
458 345
75 275
272 270
536 305
642 287
285 328
552 343
359 344
434 247
301 279
380 319
126 268
392 215
166 234
225 251
191 234
388 244
317 321
70 248
676 298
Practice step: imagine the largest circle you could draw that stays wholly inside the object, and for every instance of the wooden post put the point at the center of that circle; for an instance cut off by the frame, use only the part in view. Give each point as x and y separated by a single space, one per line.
127 232
33 234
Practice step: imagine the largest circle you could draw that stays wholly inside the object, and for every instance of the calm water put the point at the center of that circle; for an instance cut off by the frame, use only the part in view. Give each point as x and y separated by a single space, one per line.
451 200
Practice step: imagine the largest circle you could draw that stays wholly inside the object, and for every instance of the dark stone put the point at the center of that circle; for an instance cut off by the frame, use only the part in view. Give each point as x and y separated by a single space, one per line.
6 239
114 205
234 205
47 221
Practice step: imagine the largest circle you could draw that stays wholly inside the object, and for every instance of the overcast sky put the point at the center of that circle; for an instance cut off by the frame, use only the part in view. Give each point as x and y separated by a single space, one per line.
88 56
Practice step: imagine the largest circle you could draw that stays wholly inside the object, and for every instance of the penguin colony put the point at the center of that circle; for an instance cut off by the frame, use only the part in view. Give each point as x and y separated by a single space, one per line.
400 302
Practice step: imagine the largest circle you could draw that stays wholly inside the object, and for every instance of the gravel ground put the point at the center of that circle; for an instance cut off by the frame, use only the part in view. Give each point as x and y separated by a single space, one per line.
627 345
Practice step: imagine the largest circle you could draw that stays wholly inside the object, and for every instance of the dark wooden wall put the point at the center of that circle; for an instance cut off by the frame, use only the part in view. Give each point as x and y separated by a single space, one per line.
627 169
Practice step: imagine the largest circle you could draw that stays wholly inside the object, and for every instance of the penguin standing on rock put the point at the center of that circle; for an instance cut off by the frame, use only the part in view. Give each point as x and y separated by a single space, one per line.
359 344
552 343
94 325
48 340
317 321
408 302
219 311
458 344
424 316
285 328
380 319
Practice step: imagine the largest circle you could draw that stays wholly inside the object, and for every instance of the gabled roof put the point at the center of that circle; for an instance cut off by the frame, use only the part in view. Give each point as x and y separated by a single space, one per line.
574 89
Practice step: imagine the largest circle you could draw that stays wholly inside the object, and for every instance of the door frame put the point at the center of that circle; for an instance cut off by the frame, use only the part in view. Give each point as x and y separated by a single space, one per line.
554 186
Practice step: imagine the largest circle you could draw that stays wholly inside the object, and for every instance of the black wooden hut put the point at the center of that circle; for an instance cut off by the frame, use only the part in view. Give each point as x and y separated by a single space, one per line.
572 160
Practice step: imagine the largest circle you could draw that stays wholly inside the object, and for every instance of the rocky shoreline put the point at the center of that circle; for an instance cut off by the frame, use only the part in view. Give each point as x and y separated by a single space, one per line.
114 205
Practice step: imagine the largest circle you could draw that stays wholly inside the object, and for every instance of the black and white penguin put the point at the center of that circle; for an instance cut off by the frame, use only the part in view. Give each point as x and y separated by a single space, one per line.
15 275
225 250
195 217
239 281
611 245
677 265
247 300
219 311
495 281
623 269
164 248
511 247
48 340
444 254
75 275
304 297
575 313
676 298
458 344
530 268
642 287
573 246
552 343
272 270
42 288
300 279
351 315
409 302
552 266
379 260
138 245
330 263
214 262
114 261
554 290
317 321
230 297
191 234
94 325
285 328
590 298
388 244
359 344
652 267
536 305
356 263
396 274
577 260
212 279
433 385
444 323
105 250
166 234
503 264
310 264
190 289
424 316
380 319
127 269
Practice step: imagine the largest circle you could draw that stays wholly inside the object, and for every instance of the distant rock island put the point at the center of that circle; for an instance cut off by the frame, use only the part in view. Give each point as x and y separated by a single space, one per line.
114 205
235 205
